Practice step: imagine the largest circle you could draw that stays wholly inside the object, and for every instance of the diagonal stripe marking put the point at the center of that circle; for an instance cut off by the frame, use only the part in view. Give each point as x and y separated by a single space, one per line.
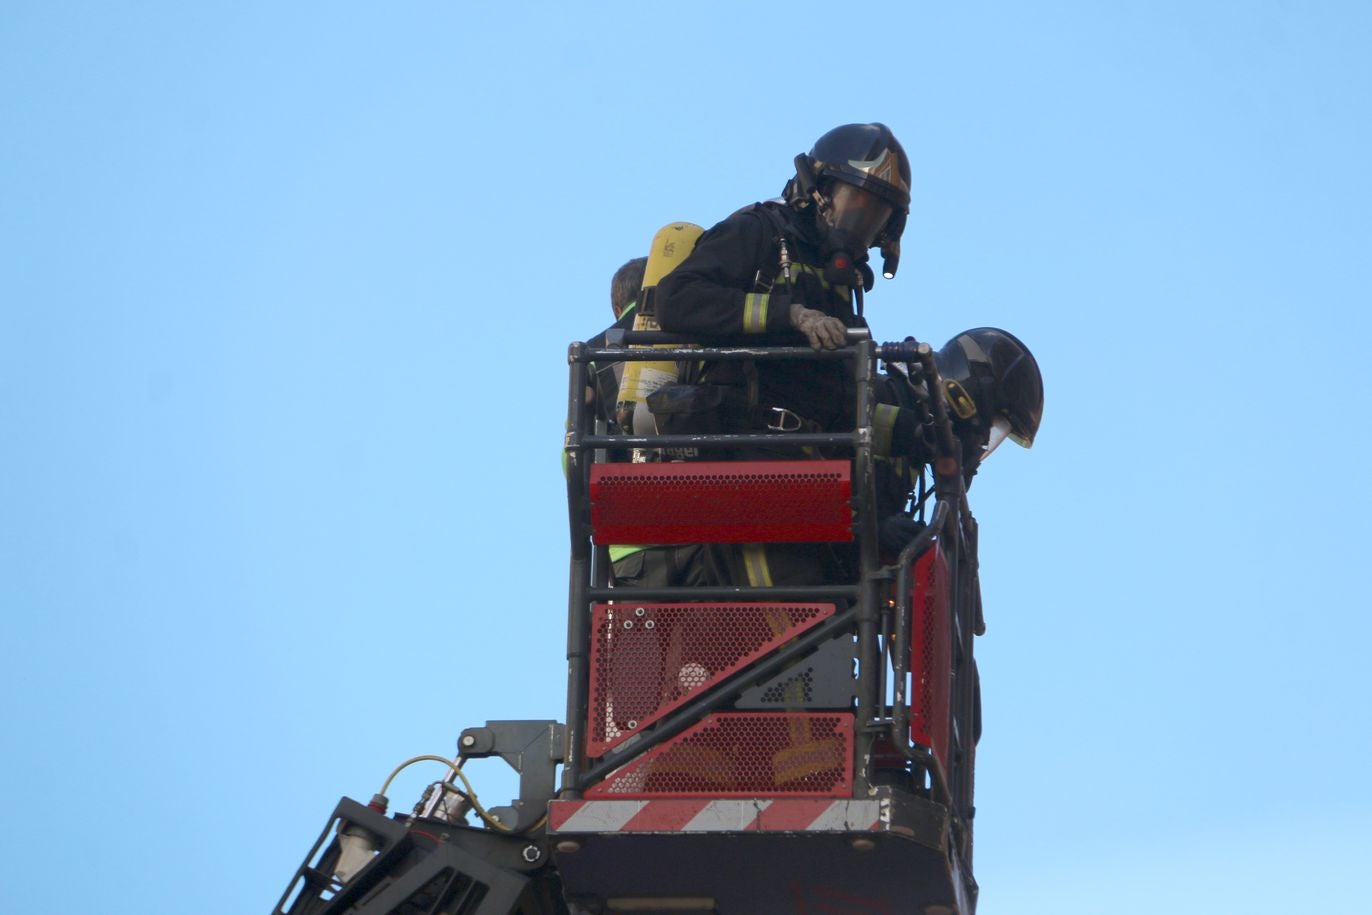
664 816
598 816
727 816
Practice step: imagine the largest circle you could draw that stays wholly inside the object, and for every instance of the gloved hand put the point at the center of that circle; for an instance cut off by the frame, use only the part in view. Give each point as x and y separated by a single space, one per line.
896 532
821 329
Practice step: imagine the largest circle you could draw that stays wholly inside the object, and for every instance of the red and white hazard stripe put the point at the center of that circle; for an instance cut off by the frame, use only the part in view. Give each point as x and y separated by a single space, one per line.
719 815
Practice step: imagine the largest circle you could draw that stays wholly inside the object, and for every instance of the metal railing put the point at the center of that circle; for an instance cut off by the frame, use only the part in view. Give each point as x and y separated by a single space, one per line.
880 625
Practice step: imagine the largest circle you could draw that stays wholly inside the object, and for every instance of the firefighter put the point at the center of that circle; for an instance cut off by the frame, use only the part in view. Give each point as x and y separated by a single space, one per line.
624 291
642 566
994 391
625 286
798 264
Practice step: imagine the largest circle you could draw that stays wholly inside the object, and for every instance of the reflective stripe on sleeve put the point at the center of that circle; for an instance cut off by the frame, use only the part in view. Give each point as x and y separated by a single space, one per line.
883 425
755 312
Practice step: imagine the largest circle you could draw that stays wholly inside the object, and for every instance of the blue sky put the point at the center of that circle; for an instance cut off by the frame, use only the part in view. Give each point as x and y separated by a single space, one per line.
285 293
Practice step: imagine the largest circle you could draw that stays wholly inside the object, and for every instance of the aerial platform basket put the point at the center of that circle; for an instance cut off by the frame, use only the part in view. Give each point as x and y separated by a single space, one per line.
732 748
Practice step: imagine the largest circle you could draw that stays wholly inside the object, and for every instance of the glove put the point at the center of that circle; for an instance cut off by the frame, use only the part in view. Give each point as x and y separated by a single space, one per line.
896 532
821 329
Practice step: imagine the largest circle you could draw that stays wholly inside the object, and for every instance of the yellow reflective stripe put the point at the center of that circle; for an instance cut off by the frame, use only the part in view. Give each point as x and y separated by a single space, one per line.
754 313
755 561
620 550
883 427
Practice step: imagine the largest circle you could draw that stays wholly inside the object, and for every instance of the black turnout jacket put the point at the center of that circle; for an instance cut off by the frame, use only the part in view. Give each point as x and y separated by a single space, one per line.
731 289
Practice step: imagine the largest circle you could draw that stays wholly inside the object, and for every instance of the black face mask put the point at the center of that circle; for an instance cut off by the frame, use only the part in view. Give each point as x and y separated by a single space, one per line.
850 219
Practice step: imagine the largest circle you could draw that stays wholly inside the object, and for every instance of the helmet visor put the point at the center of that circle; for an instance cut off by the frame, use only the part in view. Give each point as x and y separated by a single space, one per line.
855 216
1000 431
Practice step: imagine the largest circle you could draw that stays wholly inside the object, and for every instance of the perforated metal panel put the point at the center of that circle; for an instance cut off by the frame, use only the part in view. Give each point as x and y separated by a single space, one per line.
745 754
722 502
930 655
647 658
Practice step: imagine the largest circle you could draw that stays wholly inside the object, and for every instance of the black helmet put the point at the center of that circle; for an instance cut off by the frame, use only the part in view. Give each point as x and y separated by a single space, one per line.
993 385
869 158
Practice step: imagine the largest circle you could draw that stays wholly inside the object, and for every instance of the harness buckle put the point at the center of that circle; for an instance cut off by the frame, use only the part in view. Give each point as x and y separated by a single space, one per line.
784 421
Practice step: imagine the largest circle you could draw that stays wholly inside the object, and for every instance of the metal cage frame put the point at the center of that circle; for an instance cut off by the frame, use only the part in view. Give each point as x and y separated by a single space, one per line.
880 627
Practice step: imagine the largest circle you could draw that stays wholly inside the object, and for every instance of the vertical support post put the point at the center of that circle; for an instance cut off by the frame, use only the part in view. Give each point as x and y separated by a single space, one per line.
968 596
868 614
578 614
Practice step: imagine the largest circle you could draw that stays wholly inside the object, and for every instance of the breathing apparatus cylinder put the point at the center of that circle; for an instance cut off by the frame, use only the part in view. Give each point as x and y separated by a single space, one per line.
670 246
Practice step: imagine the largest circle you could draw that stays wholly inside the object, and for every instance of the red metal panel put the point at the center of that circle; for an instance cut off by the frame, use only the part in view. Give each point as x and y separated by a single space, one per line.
931 655
722 502
650 658
744 754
